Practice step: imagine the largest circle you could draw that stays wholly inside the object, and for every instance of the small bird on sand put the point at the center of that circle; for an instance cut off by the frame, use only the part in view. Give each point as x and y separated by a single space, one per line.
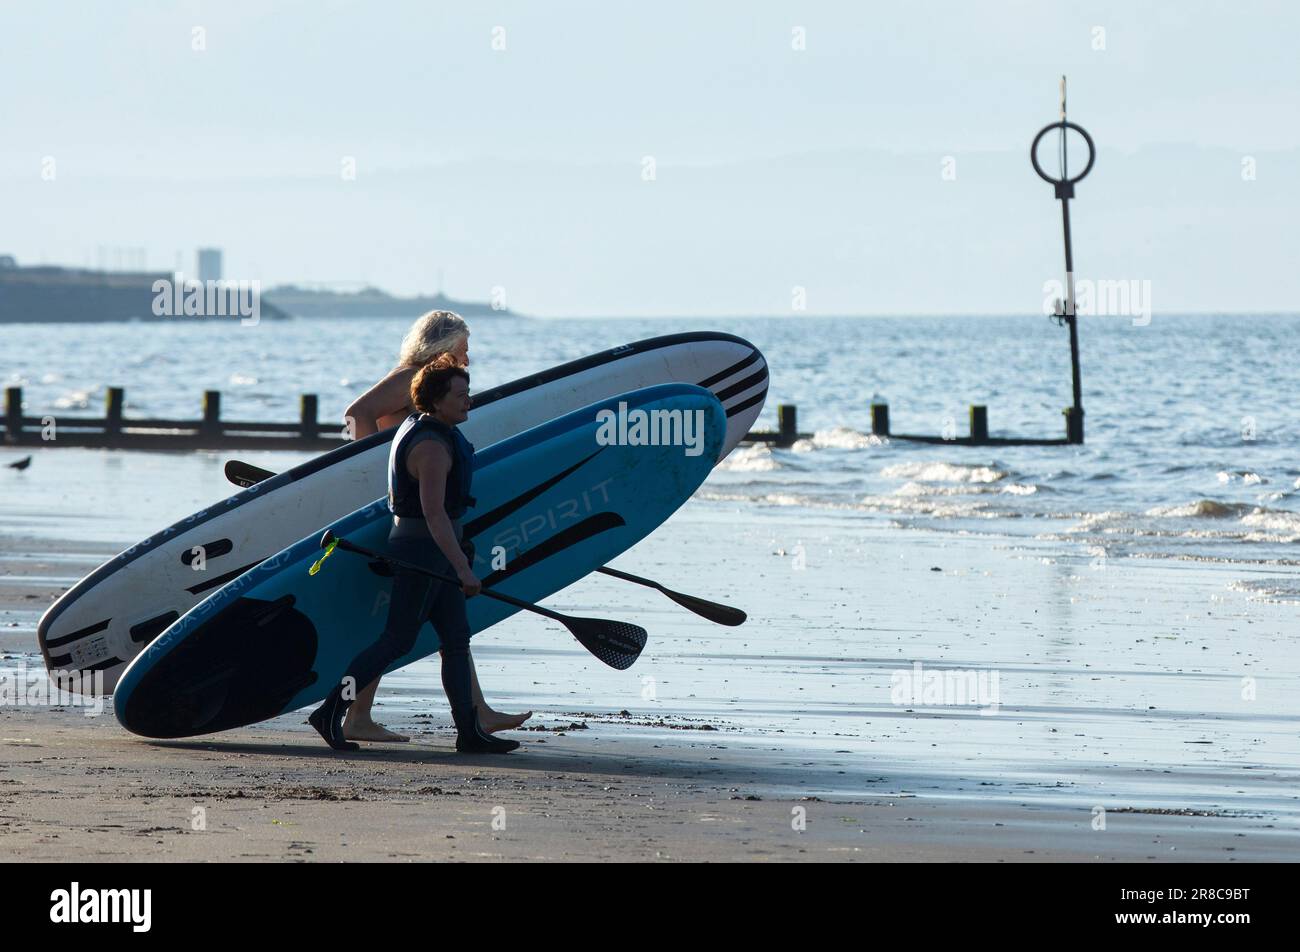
22 463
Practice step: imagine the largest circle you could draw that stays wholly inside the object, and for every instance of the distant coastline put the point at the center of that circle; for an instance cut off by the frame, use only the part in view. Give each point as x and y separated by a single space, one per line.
371 302
49 294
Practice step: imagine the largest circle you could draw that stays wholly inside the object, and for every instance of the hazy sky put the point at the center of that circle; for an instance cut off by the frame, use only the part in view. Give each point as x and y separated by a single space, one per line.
166 127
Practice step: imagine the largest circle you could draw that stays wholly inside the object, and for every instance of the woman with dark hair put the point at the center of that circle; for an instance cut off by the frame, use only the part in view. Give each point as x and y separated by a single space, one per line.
386 404
430 469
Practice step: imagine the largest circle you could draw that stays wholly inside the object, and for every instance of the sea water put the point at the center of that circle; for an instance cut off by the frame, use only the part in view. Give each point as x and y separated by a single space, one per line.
1191 430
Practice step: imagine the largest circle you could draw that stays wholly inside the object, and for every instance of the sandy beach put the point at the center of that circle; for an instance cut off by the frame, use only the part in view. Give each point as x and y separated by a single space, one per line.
1142 712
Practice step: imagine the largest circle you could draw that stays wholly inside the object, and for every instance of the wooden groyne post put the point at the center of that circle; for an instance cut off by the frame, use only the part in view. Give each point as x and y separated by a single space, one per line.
787 429
113 403
307 416
211 425
13 413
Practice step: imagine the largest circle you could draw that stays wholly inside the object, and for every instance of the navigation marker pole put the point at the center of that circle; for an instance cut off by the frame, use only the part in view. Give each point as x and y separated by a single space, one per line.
1066 314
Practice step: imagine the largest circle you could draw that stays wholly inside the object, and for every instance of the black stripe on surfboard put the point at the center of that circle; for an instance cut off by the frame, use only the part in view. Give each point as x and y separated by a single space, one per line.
79 633
104 665
736 388
586 529
489 519
223 579
147 631
744 405
735 368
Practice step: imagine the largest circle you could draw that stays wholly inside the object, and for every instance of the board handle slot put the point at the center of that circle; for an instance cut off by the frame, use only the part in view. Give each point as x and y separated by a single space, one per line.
211 550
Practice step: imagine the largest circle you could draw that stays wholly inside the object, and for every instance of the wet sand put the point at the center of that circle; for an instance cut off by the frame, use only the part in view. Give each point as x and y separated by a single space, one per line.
1149 695
74 788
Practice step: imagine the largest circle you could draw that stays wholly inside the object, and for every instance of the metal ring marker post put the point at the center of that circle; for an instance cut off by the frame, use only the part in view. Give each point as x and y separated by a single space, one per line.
1065 191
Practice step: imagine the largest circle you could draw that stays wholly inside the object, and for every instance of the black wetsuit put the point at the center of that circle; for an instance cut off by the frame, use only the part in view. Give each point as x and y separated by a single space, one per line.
417 597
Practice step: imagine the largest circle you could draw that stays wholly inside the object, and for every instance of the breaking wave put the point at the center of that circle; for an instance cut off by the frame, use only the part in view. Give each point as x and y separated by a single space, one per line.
944 473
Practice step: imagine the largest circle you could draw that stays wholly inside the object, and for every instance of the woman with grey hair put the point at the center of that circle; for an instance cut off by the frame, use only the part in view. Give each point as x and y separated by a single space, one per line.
384 405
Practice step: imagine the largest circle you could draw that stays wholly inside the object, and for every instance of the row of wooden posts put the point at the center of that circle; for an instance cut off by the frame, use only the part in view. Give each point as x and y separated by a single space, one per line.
115 431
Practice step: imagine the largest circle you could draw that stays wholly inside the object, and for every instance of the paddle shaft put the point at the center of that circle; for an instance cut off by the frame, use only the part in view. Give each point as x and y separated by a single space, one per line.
499 596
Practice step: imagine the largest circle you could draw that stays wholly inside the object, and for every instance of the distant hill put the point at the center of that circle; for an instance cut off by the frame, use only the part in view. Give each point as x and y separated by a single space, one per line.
371 302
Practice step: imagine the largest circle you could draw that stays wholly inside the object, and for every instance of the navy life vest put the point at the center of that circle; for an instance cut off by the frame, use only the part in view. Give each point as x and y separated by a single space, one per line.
404 490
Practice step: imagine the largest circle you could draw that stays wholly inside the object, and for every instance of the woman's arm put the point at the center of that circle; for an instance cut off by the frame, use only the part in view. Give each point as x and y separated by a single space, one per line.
430 462
377 407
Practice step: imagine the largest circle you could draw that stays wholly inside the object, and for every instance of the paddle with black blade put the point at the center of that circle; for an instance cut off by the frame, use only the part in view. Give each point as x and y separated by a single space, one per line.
617 643
245 475
721 614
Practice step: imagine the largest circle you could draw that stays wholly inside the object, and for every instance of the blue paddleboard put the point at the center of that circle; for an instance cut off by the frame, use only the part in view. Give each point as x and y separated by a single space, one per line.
559 501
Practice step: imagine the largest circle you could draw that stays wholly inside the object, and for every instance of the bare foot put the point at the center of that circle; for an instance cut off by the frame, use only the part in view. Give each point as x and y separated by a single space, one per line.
369 730
493 721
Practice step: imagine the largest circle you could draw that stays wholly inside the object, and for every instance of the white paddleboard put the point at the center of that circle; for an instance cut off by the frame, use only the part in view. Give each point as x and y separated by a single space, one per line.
105 620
